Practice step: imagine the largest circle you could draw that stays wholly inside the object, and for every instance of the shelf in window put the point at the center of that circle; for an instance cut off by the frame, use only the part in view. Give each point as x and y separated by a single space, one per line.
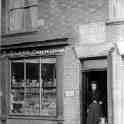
24 86
17 102
19 91
49 87
32 93
32 86
50 91
17 87
28 96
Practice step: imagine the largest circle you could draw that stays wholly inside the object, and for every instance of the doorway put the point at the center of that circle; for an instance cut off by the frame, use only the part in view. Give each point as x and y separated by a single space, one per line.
88 76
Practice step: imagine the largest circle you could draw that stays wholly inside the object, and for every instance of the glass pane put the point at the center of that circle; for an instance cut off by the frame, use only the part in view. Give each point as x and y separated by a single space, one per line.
48 77
32 88
16 21
32 2
17 87
34 16
117 8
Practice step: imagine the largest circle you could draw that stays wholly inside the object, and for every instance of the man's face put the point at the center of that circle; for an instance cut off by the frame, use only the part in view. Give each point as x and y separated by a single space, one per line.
93 86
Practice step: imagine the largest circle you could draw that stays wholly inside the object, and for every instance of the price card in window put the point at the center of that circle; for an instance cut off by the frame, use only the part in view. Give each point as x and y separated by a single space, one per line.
69 93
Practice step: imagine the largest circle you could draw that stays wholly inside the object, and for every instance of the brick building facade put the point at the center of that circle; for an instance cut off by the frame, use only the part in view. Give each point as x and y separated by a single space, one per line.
51 50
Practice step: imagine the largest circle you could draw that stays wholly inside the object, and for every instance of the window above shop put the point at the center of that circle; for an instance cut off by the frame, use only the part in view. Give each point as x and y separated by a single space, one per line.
116 9
33 87
22 15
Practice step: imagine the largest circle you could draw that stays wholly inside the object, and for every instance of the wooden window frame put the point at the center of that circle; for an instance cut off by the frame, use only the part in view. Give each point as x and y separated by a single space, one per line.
25 78
24 30
59 94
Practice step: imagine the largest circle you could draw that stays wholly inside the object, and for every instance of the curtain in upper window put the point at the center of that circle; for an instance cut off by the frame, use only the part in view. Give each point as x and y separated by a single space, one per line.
23 15
16 19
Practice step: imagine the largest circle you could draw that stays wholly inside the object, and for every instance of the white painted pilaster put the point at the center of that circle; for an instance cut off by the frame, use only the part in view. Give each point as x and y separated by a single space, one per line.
117 88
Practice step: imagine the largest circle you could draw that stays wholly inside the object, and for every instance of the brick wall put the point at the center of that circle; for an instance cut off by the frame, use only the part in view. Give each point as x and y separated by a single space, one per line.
61 18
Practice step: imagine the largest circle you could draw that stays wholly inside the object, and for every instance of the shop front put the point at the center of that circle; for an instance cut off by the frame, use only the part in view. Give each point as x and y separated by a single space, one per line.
31 81
51 84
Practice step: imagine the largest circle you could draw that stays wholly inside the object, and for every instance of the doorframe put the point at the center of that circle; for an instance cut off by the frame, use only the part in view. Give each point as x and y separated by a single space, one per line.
109 88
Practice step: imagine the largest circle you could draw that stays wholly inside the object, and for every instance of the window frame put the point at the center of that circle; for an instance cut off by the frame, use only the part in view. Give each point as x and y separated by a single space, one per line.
59 93
25 29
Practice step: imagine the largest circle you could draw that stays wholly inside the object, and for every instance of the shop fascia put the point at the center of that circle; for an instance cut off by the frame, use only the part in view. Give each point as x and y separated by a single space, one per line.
33 52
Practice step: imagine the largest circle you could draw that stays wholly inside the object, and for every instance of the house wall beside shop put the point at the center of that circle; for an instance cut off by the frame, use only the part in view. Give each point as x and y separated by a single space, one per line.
62 19
71 88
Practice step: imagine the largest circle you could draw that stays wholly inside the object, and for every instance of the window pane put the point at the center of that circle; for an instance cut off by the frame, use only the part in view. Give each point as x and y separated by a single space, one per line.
16 21
48 77
32 89
32 71
34 16
21 18
117 8
31 2
17 87
31 17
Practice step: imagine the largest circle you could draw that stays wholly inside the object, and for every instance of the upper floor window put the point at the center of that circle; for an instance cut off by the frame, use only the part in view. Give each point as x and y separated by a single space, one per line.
116 9
23 15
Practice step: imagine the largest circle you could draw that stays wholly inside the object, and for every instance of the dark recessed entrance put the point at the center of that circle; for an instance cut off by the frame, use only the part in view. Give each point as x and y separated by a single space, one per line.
99 76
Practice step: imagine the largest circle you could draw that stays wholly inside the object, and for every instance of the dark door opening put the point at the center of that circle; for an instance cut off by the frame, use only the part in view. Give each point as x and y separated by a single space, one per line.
99 76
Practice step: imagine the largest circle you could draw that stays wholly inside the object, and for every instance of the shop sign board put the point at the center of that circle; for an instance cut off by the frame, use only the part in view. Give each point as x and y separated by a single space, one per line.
34 52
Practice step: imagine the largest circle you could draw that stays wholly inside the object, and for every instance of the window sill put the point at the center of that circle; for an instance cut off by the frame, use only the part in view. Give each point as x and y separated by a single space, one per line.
115 21
19 32
26 117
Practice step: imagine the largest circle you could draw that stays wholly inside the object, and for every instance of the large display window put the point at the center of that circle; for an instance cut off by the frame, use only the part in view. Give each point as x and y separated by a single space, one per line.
33 86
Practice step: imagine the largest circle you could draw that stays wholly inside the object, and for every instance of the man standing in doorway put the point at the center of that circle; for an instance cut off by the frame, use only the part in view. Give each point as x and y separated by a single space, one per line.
94 109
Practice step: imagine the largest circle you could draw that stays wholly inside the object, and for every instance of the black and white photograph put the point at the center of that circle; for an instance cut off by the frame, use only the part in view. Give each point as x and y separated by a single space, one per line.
61 61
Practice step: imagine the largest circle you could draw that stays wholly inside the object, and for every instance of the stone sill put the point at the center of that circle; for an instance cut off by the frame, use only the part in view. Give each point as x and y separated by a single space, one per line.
119 21
20 33
47 118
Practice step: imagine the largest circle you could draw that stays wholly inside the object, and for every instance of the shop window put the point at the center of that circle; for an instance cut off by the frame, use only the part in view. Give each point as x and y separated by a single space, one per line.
23 15
33 87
